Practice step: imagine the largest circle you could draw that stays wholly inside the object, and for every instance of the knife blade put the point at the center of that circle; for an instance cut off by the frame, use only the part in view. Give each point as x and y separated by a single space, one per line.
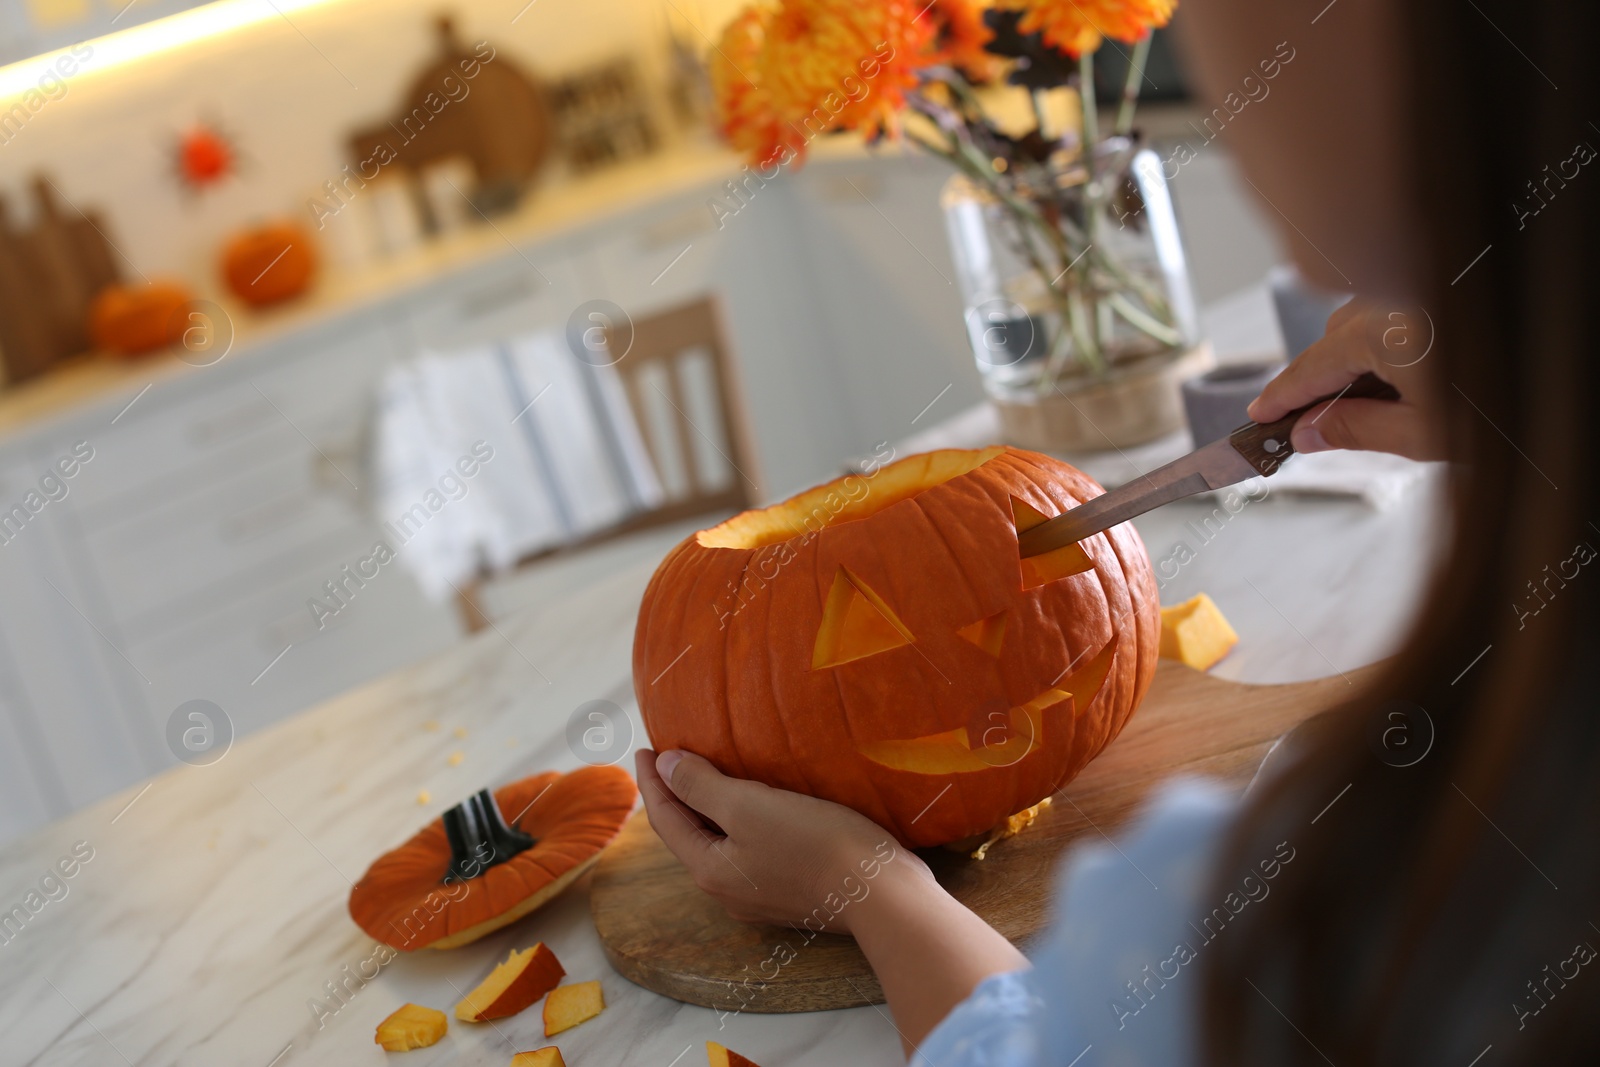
1252 449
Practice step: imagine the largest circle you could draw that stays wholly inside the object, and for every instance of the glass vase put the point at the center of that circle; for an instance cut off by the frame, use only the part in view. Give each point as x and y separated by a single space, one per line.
1077 300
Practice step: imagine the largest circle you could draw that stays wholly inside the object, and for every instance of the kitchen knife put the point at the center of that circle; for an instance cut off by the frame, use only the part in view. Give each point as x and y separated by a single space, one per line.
1252 449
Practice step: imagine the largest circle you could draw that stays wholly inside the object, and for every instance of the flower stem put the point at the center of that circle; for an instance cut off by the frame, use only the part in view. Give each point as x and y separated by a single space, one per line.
1130 88
1091 110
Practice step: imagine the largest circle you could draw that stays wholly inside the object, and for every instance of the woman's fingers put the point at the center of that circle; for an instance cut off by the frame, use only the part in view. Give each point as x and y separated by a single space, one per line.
695 782
679 826
1366 425
1341 357
1362 337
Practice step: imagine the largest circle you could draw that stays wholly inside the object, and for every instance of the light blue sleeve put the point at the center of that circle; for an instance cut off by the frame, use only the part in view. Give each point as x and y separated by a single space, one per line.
1114 981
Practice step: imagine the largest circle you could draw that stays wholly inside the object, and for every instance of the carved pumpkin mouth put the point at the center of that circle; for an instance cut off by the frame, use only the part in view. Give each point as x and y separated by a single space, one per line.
1002 737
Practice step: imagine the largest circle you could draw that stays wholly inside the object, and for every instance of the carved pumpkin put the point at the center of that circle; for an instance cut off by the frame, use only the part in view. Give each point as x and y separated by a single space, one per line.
405 901
879 642
269 263
131 319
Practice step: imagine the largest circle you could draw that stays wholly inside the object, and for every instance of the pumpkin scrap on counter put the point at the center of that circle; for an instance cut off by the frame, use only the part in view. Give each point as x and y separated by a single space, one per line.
1195 633
880 642
411 1026
406 902
718 1056
569 1005
549 1056
978 846
521 980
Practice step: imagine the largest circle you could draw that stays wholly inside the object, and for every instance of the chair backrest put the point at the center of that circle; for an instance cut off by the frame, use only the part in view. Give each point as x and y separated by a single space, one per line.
682 384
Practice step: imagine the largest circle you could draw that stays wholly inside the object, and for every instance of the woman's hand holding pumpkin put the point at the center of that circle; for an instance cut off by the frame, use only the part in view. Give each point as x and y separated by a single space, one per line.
769 855
1362 336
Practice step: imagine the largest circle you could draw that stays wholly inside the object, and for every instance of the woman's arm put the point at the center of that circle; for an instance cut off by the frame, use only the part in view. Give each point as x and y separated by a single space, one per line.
769 855
928 951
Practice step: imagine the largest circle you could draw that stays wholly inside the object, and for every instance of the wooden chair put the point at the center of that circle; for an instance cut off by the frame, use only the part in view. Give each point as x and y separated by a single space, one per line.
705 458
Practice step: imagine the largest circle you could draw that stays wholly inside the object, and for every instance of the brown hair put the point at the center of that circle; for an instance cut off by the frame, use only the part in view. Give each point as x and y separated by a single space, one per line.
1439 907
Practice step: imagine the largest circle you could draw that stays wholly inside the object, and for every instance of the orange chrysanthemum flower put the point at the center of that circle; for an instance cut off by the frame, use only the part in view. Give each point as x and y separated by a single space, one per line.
786 74
962 37
844 64
1078 26
746 115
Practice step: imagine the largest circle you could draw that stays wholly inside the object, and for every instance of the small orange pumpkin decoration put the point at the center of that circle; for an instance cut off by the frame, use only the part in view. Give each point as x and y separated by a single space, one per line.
415 897
878 641
131 319
269 263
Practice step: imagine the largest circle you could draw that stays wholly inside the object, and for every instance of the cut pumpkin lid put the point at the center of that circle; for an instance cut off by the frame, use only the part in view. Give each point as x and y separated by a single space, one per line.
535 837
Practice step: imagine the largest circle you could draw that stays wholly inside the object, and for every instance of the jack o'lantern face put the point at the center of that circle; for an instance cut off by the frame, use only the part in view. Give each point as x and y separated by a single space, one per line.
878 641
858 625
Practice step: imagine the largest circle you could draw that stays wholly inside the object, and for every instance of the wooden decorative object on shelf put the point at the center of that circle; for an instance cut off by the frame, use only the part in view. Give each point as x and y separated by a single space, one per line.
472 102
602 116
49 275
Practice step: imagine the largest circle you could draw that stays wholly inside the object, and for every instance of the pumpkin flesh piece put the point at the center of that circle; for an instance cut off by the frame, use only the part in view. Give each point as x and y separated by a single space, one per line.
411 1026
1196 633
952 751
569 1005
523 978
549 1056
719 1056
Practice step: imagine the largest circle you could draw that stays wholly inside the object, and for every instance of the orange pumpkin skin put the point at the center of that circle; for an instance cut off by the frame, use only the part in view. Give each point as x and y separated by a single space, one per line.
270 263
403 902
132 319
762 696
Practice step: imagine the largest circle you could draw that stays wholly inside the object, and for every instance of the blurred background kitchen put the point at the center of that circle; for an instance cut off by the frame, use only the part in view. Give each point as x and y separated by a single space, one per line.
320 316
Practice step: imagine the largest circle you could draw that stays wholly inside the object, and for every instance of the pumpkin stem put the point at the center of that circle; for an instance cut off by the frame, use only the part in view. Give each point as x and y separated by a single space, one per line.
479 837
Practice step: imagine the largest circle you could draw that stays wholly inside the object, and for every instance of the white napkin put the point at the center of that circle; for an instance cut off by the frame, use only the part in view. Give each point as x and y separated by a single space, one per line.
551 441
1377 478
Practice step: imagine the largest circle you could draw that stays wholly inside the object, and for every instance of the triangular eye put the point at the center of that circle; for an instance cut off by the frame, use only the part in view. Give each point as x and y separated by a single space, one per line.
988 634
856 623
1052 566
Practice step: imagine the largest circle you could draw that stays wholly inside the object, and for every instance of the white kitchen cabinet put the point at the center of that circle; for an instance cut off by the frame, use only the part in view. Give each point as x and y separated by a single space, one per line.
521 290
31 792
180 563
69 682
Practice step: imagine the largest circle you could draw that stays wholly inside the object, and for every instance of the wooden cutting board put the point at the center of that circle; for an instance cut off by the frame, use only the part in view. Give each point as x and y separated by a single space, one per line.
663 933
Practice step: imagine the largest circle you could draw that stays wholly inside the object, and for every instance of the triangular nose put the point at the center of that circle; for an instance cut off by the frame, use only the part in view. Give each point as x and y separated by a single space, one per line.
988 634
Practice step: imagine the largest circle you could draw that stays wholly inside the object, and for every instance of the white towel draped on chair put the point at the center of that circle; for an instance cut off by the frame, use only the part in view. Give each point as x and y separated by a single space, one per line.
567 457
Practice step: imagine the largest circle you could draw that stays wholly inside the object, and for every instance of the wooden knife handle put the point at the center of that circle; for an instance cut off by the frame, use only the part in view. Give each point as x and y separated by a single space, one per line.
1266 445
